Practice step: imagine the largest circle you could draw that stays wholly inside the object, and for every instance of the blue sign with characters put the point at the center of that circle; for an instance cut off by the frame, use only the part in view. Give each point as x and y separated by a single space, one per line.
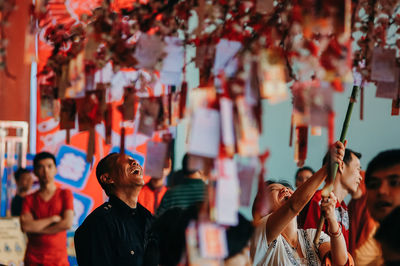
72 168
82 206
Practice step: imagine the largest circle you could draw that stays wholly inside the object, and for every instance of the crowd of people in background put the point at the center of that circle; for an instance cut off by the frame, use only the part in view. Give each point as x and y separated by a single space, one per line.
145 223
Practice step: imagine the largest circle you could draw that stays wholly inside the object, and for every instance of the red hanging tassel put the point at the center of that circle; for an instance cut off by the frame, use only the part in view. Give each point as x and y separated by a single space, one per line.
182 102
122 147
396 107
331 128
108 122
302 141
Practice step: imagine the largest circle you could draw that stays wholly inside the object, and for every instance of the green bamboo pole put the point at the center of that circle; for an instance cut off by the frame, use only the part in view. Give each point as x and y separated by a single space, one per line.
329 186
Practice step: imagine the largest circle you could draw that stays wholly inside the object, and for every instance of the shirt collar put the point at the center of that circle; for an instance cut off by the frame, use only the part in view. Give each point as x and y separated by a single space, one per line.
121 207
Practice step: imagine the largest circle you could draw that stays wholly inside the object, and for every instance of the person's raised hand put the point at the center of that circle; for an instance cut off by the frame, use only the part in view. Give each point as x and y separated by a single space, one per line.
337 151
328 205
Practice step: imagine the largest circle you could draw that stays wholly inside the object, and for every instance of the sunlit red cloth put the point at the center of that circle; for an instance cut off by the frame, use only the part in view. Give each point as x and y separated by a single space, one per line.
151 197
361 222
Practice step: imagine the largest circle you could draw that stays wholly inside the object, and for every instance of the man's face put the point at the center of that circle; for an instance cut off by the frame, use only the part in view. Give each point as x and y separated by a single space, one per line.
45 170
302 177
351 177
128 172
383 191
25 182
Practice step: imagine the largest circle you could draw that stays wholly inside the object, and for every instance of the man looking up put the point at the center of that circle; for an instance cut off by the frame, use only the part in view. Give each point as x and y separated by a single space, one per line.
46 216
347 179
117 232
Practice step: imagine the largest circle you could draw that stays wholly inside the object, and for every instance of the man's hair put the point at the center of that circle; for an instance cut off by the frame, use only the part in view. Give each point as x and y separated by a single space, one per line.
104 166
41 156
347 156
20 172
185 165
304 168
383 160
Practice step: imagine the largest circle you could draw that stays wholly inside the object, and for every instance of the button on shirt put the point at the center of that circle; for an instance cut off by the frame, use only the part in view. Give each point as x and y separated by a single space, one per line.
115 234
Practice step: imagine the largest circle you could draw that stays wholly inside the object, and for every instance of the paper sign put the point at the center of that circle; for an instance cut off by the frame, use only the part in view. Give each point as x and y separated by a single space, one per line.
225 58
76 73
252 87
149 112
72 168
155 158
193 250
272 73
388 89
321 100
213 242
246 129
227 194
246 174
127 109
46 101
228 137
67 114
149 49
82 207
205 133
173 62
264 6
91 109
383 65
171 78
12 242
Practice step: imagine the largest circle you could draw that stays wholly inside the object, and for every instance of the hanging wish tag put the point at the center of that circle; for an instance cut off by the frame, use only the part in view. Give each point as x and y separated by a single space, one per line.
213 244
205 133
383 66
155 158
388 90
227 193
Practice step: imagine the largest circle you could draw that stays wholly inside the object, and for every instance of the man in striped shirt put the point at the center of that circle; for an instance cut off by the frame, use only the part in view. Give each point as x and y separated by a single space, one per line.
189 191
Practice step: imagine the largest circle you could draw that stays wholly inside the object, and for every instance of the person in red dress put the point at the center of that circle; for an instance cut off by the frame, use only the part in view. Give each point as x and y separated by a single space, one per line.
46 216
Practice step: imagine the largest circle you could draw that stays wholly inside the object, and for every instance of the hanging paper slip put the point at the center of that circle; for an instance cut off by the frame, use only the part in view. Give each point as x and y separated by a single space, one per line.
205 133
171 73
213 242
228 136
383 65
388 89
155 158
225 58
193 248
67 114
149 49
227 198
246 174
